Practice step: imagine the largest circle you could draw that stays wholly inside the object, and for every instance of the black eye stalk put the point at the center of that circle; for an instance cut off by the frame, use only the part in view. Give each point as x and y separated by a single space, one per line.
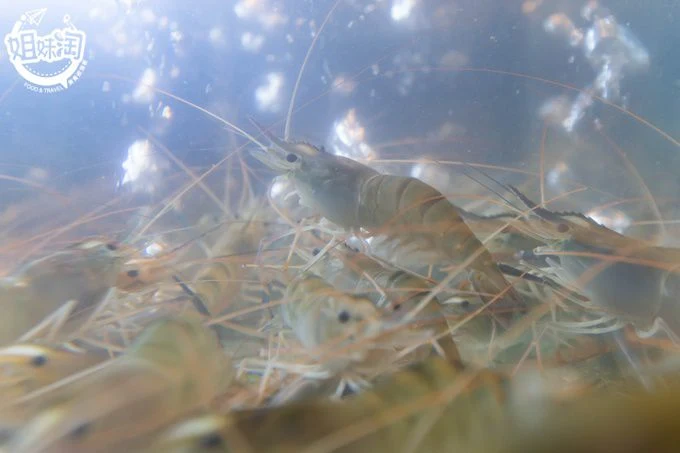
290 157
133 273
212 440
343 316
38 361
80 431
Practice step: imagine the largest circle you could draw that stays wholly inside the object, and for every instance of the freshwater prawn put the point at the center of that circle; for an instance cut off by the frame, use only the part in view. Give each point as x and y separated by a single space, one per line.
631 280
175 366
456 422
477 412
217 283
69 281
406 210
27 367
321 316
401 290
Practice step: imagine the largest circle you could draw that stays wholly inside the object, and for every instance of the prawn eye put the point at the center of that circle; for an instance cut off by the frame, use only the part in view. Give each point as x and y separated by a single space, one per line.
112 247
133 273
80 430
343 316
39 360
465 304
290 157
316 251
562 228
212 440
396 307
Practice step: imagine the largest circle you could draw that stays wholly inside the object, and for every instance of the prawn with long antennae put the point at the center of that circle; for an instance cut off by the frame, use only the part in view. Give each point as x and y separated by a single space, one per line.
401 290
219 282
320 315
404 209
65 283
420 409
175 367
139 274
431 406
348 334
628 279
26 367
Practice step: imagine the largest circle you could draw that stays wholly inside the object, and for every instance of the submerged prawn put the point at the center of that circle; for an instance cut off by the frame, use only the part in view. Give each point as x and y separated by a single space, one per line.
452 423
404 291
74 280
629 279
217 284
478 421
321 316
407 210
27 367
176 366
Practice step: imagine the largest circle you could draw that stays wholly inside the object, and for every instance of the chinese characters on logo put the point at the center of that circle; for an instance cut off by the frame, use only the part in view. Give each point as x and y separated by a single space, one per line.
51 62
31 48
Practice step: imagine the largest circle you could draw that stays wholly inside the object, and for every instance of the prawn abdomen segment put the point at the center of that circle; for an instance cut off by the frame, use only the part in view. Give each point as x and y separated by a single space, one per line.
407 207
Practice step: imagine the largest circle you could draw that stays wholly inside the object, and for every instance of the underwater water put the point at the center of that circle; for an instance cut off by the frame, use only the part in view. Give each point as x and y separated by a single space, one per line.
401 71
136 121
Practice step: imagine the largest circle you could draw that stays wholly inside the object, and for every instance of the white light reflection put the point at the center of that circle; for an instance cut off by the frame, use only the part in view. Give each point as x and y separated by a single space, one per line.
153 249
268 96
279 188
252 42
617 221
401 9
611 48
216 36
556 174
344 85
403 62
166 113
143 169
560 25
453 59
433 174
555 110
348 138
285 197
147 15
128 6
144 92
259 10
37 174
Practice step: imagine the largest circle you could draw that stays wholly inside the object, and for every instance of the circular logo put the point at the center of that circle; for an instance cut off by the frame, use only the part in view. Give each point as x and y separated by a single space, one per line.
49 63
